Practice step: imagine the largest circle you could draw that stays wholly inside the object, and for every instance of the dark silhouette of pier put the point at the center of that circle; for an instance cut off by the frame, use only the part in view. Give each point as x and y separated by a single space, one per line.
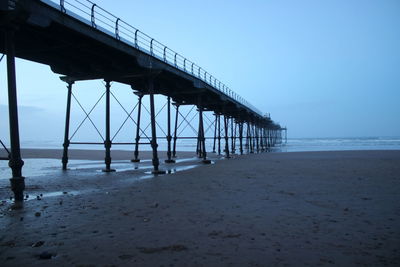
81 41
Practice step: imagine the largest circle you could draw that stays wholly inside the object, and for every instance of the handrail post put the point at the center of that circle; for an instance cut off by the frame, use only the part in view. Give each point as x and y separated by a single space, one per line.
151 47
63 10
92 17
184 64
117 29
192 68
165 54
136 40
175 59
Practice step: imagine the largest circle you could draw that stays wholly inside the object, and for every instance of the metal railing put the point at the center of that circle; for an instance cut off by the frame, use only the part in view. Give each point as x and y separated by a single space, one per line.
106 22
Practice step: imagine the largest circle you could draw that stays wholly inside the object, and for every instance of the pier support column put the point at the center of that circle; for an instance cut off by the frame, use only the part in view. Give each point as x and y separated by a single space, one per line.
241 138
226 122
215 133
285 135
137 139
199 147
154 145
269 138
107 142
257 138
219 134
17 181
202 139
175 131
232 137
169 137
66 133
247 145
249 132
262 141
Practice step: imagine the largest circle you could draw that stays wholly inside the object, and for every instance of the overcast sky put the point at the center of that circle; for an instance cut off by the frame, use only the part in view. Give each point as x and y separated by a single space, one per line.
322 68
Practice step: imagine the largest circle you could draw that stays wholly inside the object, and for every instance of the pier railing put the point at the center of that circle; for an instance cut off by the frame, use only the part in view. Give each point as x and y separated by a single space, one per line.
99 18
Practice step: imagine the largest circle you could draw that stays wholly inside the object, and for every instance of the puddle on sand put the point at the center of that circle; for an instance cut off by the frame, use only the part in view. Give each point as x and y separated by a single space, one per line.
41 196
46 167
176 169
172 169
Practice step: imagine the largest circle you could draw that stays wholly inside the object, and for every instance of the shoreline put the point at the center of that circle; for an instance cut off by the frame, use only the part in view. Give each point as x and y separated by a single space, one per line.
94 154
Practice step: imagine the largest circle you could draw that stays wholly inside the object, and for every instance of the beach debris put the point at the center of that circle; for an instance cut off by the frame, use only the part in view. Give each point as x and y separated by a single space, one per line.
146 219
286 193
65 192
154 205
61 202
17 206
38 244
9 243
125 257
37 214
38 198
222 235
21 219
45 255
232 236
172 248
214 233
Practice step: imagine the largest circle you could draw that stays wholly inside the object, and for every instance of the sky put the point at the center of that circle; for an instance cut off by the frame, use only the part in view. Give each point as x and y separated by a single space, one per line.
321 68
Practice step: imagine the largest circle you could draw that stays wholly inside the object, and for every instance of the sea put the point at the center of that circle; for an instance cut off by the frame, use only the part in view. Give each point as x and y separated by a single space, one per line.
336 144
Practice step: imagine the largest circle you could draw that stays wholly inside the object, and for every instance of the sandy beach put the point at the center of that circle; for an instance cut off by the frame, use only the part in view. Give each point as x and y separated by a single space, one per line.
271 209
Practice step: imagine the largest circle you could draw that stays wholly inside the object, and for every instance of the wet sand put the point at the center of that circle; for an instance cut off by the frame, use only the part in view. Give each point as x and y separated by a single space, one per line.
271 209
93 154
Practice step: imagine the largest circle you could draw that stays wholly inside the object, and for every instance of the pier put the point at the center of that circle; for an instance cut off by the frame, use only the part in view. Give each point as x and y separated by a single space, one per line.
80 41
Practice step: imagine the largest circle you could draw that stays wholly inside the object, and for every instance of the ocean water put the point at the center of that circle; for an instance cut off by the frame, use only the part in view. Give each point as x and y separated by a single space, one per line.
336 144
292 145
